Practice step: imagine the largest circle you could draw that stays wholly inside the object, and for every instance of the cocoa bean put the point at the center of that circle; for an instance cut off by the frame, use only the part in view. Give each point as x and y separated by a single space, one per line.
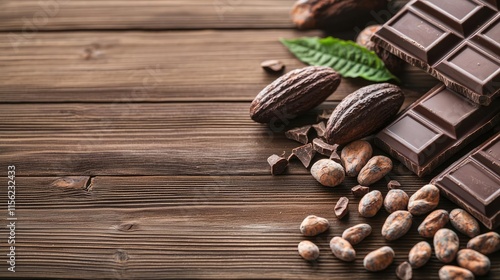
420 254
396 199
342 249
474 261
357 233
464 222
451 272
393 184
436 220
375 169
370 204
328 172
424 200
342 207
272 66
487 243
446 245
354 156
404 271
379 259
308 250
396 225
314 225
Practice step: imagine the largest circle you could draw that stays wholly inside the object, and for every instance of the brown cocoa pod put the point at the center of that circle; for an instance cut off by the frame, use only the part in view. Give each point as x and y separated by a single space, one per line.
332 14
308 250
370 204
327 172
474 261
313 225
379 259
396 199
342 249
433 222
375 169
446 245
424 200
486 243
451 272
357 233
420 254
363 112
294 93
396 225
354 156
464 222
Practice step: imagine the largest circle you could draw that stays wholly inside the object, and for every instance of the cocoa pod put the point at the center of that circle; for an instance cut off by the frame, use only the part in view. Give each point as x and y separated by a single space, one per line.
433 222
370 204
363 112
379 259
294 93
396 225
357 233
375 169
476 262
328 173
446 245
396 199
342 249
308 250
424 200
451 272
464 222
486 243
420 254
313 225
332 14
354 156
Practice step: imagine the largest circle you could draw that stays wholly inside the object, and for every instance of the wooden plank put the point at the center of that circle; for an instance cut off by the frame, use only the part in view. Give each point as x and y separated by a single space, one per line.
202 226
153 66
142 138
33 15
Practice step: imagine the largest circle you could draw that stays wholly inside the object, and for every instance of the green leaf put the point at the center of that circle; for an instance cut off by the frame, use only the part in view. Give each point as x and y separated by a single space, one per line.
346 57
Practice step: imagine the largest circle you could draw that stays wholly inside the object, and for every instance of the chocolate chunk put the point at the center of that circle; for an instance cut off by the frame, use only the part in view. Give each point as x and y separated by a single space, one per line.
273 66
473 182
455 41
393 184
278 164
360 191
324 116
324 148
335 157
434 128
320 129
342 207
299 134
304 153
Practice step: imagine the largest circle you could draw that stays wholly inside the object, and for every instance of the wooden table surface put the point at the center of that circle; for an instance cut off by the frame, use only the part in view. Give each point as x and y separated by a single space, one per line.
135 157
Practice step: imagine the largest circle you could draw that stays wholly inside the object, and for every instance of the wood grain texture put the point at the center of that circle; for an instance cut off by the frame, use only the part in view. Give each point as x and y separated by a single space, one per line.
159 227
154 66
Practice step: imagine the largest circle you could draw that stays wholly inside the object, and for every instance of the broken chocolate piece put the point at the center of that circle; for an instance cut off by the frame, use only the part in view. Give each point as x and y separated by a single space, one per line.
324 116
278 164
393 184
360 191
299 134
304 153
273 66
342 207
324 148
320 129
335 157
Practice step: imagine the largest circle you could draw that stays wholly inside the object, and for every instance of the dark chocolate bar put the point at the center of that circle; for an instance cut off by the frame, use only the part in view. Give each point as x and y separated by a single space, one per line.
457 41
435 127
473 182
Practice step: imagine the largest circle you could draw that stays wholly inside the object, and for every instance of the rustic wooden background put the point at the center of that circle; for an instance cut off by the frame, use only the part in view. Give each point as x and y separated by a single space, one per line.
135 157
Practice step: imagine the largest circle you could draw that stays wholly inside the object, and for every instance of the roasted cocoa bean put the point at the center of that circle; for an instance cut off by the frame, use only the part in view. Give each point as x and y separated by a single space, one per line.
342 249
375 169
451 272
342 207
354 156
393 184
436 220
308 250
464 222
424 200
314 225
379 259
404 271
487 243
396 225
357 233
446 245
420 254
328 172
474 261
370 204
396 199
